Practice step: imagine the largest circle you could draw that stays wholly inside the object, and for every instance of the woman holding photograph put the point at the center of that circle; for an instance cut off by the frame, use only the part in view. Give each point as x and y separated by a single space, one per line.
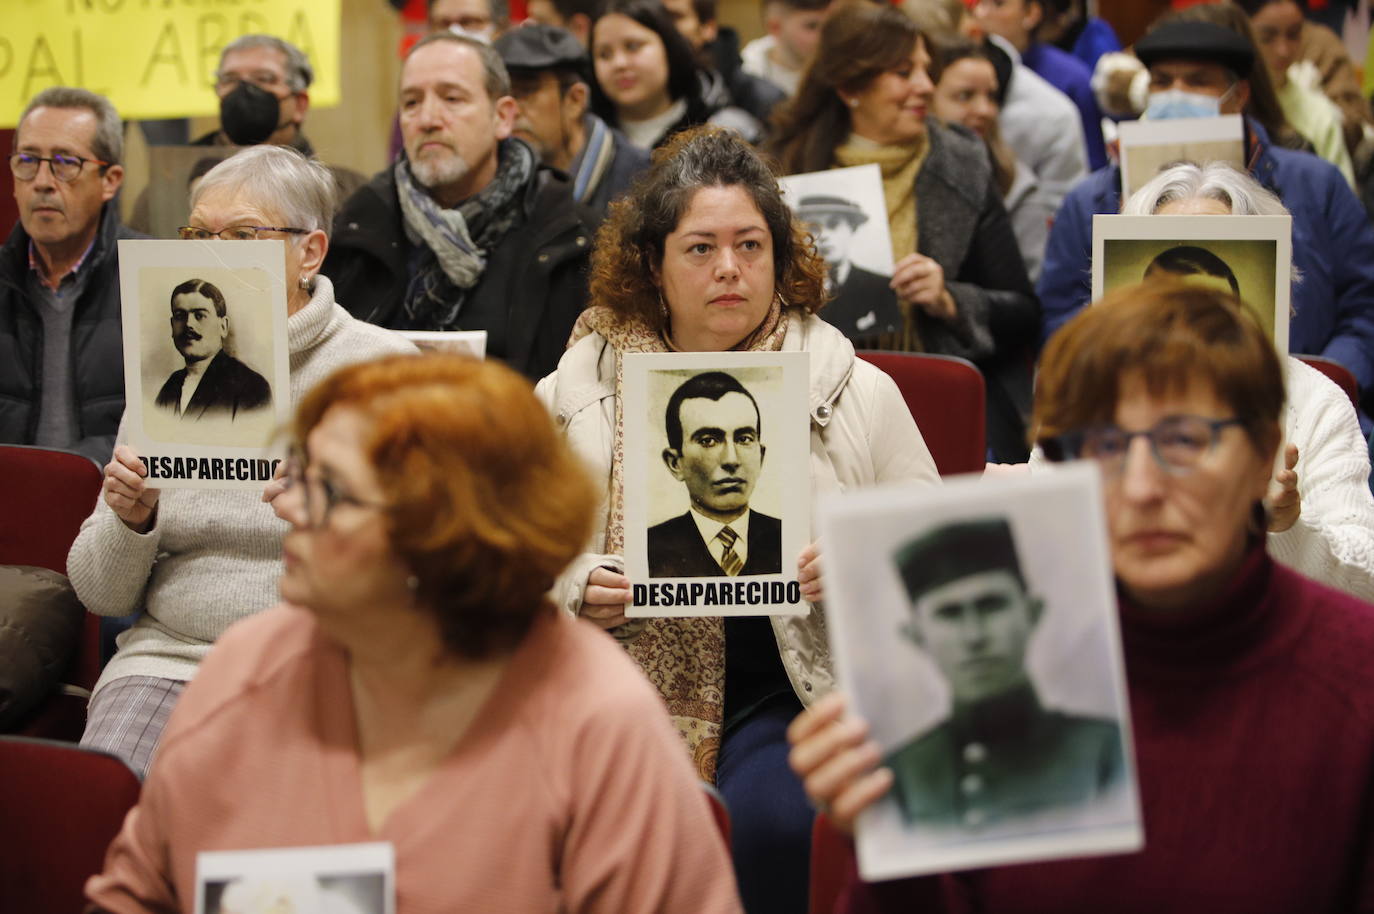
704 256
191 562
417 687
1321 520
1252 700
864 100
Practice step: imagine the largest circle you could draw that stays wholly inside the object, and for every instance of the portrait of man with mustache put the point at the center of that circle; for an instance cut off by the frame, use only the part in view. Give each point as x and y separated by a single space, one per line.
213 383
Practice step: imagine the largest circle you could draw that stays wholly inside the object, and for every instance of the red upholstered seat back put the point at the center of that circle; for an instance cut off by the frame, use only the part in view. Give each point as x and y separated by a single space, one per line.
947 398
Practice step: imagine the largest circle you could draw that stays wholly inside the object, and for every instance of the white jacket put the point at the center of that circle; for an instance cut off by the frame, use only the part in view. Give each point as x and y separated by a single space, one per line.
861 434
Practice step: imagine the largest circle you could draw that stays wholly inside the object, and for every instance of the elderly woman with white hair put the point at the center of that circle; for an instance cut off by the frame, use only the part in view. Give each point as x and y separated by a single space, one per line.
192 562
1321 517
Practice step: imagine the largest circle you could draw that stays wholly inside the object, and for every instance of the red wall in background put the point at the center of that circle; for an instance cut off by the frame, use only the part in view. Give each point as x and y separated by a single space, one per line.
9 211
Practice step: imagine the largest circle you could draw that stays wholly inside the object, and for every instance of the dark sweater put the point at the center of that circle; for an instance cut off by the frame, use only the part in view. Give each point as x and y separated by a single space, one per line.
1254 741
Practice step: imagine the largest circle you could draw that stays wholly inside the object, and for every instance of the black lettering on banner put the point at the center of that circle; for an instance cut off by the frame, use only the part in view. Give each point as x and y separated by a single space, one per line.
6 56
208 47
681 598
42 68
727 592
755 593
178 467
697 589
203 468
298 33
641 594
793 592
653 594
151 464
167 50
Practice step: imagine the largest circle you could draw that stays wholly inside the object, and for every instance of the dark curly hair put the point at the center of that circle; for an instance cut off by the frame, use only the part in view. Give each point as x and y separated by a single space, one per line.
629 246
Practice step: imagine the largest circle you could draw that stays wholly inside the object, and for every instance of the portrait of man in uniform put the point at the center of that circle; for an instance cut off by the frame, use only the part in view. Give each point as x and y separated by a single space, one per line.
1001 754
863 303
715 449
213 383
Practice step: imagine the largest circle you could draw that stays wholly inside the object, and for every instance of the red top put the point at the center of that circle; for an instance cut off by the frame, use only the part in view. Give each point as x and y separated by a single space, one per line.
1254 741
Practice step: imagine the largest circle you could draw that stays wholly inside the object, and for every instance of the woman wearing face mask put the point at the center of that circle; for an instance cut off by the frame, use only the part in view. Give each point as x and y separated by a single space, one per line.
1277 27
1252 698
648 84
863 101
968 92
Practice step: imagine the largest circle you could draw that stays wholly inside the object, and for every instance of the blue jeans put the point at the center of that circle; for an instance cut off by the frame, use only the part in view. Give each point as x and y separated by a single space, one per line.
770 818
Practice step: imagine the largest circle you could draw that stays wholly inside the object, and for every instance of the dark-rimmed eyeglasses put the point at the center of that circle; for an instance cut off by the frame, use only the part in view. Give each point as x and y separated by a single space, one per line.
235 232
65 168
319 495
1177 442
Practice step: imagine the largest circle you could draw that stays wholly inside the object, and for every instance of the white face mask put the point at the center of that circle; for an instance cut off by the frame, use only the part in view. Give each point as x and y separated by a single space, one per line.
1173 103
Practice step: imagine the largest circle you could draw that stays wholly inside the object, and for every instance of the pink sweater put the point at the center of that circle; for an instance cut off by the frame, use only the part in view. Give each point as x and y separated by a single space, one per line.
569 792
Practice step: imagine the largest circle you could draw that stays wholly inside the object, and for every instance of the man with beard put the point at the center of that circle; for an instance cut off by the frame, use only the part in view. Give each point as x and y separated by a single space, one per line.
548 72
468 231
213 383
61 348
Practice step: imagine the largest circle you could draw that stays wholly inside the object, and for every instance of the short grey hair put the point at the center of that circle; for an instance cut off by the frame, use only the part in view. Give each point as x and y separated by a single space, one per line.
495 76
1242 194
299 73
108 142
279 180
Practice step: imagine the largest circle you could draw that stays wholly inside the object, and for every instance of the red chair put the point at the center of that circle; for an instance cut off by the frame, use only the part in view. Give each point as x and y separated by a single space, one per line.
832 859
55 492
61 805
1337 373
947 398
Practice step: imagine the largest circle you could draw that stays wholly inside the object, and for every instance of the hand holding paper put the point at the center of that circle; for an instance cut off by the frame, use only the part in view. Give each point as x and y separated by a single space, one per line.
920 281
603 602
836 761
126 490
1285 504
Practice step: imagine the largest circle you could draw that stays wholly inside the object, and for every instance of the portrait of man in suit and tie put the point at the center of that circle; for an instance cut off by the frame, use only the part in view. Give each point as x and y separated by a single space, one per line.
213 383
862 302
715 449
1001 755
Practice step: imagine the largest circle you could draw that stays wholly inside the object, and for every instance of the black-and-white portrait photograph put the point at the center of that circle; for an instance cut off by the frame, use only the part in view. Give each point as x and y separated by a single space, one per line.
1248 256
719 446
974 627
344 879
847 215
1147 147
205 349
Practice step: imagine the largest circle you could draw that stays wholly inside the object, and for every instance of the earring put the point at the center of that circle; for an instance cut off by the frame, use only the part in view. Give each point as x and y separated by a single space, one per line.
413 583
852 102
304 282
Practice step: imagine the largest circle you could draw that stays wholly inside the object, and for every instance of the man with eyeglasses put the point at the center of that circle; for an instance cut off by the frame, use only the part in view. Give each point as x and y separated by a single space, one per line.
1201 69
263 84
1001 755
468 230
61 348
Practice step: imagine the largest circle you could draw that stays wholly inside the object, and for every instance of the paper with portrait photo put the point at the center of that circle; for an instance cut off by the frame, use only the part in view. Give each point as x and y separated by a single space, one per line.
207 394
847 214
1148 146
332 879
717 505
964 619
1248 256
454 342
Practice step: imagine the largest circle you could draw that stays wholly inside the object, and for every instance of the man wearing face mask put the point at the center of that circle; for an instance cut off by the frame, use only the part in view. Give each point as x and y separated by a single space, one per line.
263 85
1196 70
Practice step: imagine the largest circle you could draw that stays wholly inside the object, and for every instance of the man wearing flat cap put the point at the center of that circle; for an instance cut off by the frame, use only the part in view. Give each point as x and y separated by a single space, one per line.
1199 68
548 75
862 302
1001 755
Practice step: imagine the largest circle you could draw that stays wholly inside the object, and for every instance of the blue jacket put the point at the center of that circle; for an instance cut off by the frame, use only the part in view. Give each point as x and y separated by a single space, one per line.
1071 76
1333 247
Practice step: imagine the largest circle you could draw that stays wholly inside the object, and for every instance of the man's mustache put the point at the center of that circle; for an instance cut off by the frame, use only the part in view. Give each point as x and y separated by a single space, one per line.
188 336
46 202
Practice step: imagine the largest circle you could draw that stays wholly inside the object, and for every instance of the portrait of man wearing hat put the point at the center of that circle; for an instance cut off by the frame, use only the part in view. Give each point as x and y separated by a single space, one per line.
1001 754
862 302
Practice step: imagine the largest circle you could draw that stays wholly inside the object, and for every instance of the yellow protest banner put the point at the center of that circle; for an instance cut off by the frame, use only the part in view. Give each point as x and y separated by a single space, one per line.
152 58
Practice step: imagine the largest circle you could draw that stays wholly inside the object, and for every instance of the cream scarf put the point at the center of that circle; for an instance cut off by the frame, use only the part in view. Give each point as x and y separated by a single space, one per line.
684 658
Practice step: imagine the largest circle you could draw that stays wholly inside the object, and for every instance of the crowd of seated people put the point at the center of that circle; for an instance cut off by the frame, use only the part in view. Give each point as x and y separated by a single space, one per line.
421 619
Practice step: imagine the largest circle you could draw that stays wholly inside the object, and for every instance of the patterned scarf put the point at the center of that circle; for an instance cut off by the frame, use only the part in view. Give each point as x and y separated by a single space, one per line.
684 658
899 165
452 244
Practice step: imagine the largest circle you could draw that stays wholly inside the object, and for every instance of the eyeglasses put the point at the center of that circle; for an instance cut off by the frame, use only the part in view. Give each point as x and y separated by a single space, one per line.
320 495
235 232
263 79
65 168
1177 442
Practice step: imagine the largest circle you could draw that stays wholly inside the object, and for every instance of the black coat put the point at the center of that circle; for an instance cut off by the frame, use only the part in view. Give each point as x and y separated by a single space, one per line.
676 549
865 298
227 387
97 344
537 273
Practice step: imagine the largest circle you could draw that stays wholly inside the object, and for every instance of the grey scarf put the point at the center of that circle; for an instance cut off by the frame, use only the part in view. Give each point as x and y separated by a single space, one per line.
452 244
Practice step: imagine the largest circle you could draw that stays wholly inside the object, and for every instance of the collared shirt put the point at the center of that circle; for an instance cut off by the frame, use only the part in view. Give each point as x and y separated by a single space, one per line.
58 423
36 264
710 529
